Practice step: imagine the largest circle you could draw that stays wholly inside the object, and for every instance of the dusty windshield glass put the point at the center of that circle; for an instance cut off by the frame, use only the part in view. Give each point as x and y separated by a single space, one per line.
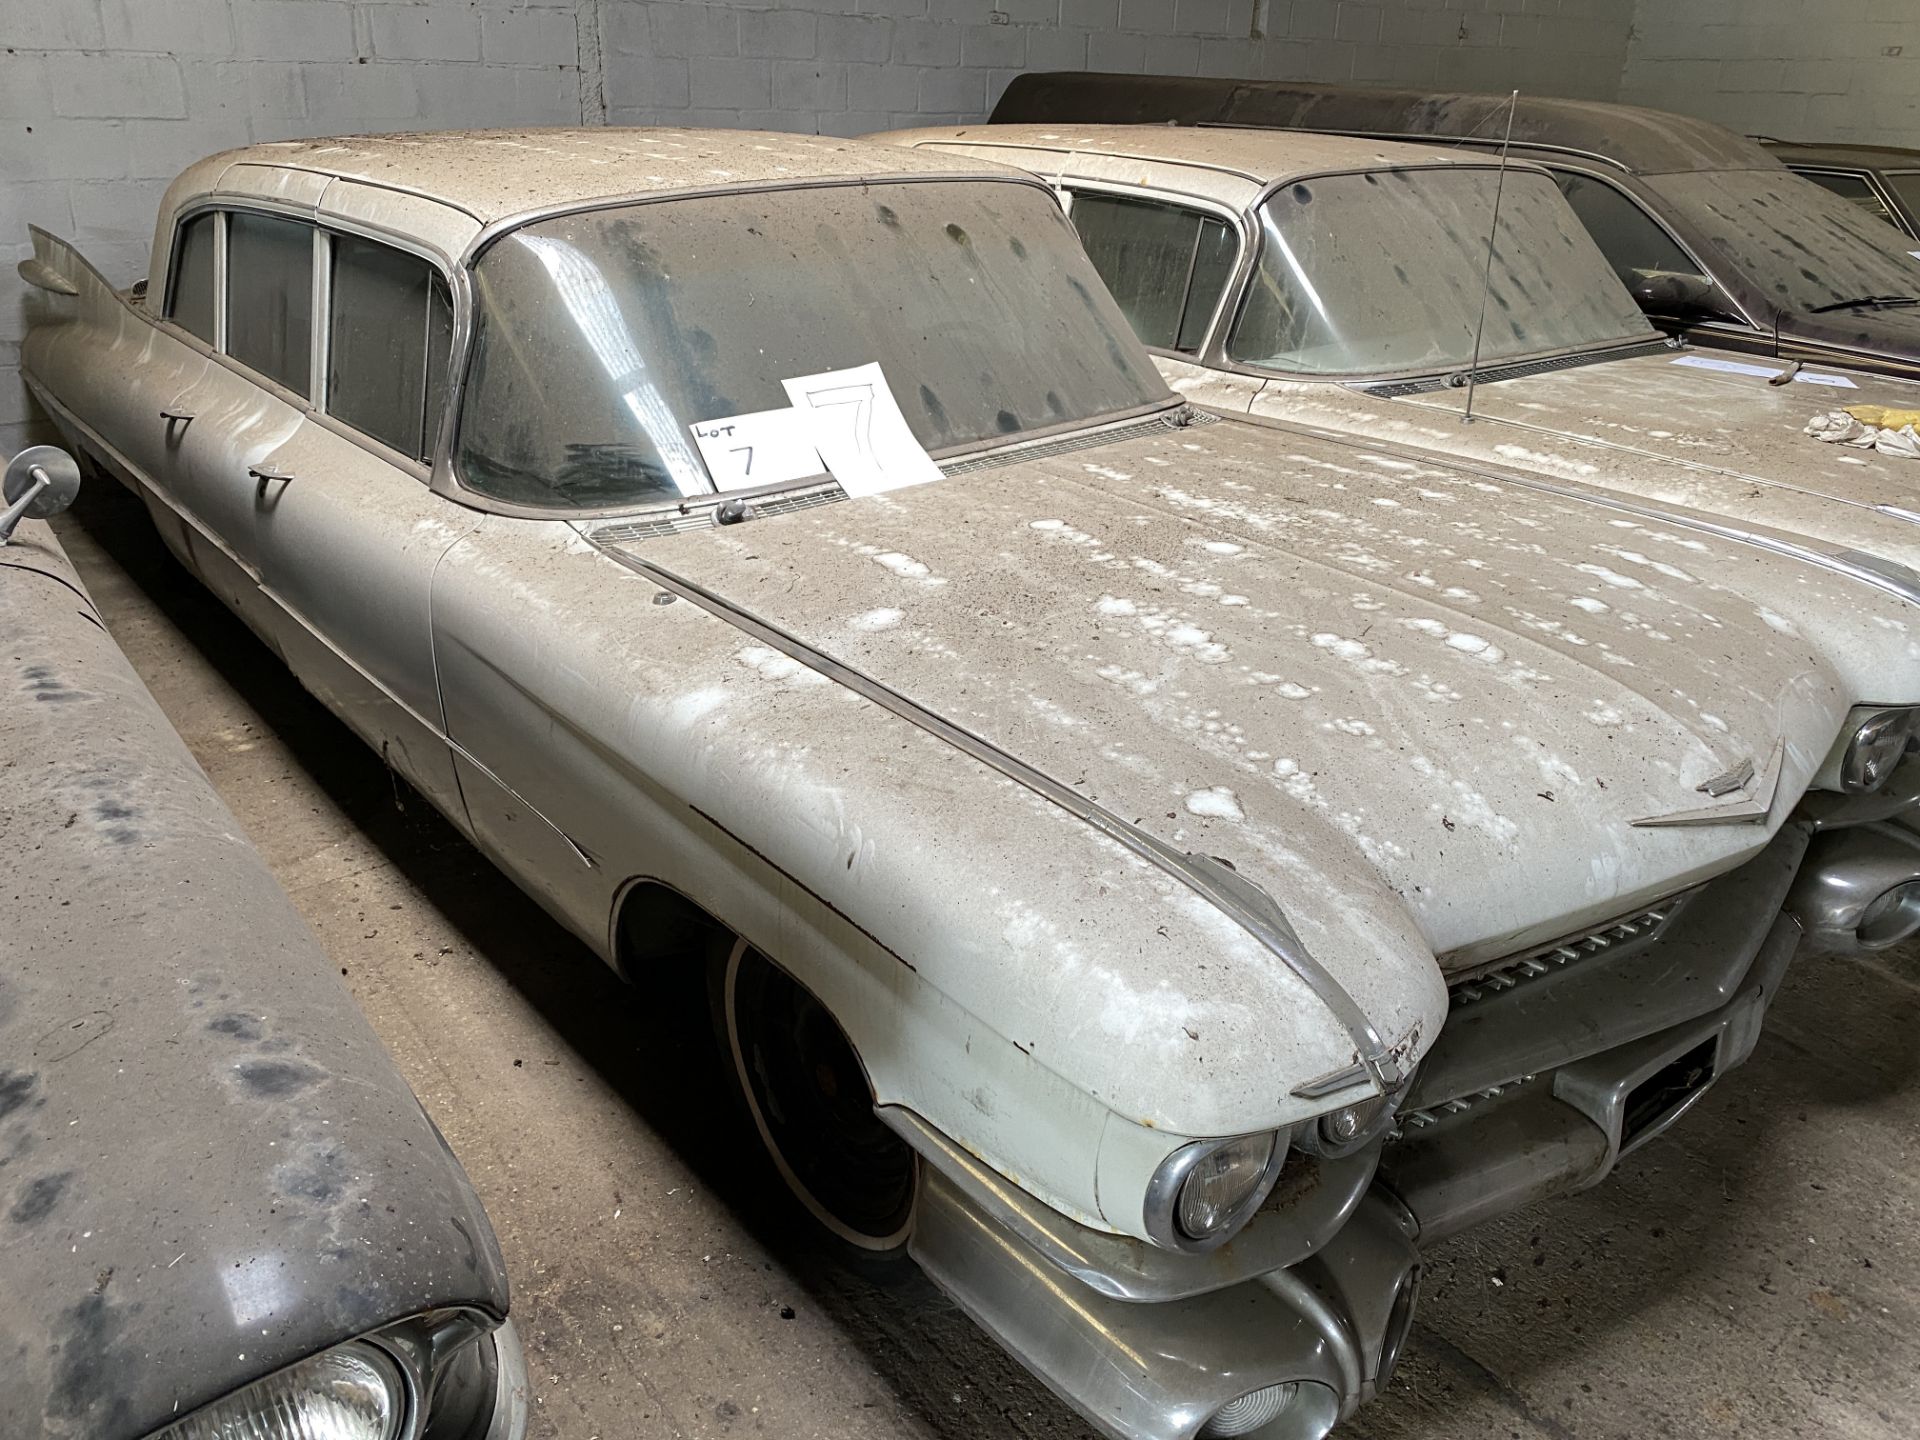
1382 272
600 337
1800 244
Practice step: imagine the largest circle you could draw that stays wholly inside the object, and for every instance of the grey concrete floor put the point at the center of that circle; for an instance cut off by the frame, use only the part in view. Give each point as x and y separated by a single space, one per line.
1752 1274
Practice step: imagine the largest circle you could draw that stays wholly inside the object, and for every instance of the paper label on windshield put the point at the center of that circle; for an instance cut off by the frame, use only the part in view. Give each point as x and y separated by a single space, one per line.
1766 372
859 430
1915 254
765 447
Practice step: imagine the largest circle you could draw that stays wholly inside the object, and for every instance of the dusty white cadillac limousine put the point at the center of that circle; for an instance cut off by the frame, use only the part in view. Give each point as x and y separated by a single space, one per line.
1157 879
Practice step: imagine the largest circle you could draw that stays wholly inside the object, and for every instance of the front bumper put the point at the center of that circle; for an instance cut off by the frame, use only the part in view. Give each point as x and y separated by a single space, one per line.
1545 1075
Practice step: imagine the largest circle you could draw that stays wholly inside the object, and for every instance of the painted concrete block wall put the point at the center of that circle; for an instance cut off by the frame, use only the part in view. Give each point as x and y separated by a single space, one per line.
103 100
1798 69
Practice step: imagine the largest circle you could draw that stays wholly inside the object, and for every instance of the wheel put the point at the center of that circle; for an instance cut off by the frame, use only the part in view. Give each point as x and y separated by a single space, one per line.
809 1099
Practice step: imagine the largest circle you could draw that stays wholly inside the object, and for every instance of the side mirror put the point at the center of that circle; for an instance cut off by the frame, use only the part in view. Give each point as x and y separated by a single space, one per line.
40 481
1676 292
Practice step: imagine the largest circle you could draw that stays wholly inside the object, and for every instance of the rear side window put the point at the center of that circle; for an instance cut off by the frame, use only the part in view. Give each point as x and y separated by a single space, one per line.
1854 188
191 304
1633 242
1166 264
270 298
389 334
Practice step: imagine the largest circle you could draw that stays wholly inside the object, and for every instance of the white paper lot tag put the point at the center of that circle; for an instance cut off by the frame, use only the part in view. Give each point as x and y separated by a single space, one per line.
765 447
1765 372
856 425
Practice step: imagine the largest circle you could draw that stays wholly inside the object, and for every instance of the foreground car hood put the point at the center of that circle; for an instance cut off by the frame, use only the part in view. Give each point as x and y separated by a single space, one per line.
1726 443
1313 666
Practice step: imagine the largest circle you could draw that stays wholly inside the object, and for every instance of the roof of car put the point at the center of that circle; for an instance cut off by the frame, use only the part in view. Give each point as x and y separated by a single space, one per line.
1643 141
1262 157
1869 157
496 174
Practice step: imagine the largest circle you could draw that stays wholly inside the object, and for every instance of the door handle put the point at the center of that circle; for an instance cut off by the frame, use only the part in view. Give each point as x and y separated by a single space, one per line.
264 473
172 413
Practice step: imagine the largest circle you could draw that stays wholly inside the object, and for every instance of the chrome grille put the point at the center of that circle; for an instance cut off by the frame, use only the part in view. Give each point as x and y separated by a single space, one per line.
1504 975
1410 1122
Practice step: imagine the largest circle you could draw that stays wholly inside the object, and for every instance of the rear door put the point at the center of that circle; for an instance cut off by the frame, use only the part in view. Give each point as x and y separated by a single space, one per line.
346 531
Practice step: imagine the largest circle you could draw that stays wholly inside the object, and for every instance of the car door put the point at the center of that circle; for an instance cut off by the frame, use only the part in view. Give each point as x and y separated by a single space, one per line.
345 529
246 402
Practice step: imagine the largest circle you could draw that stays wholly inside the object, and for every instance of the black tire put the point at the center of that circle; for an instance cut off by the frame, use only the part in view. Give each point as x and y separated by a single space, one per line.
808 1099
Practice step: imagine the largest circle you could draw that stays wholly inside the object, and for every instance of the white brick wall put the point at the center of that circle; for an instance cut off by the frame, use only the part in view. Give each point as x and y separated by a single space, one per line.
101 101
1799 69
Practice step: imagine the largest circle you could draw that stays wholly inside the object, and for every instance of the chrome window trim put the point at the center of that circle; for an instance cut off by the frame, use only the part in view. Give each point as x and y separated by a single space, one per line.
324 228
1870 178
1144 194
446 480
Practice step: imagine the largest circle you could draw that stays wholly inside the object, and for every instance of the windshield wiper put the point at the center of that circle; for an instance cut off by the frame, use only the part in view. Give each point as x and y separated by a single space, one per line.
1877 301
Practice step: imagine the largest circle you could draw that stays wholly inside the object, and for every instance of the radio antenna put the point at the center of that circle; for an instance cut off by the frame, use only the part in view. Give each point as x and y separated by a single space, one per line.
1486 280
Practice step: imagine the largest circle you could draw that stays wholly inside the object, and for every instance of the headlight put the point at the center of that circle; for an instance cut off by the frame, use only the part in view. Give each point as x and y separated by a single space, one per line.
1204 1192
1875 749
1352 1127
352 1392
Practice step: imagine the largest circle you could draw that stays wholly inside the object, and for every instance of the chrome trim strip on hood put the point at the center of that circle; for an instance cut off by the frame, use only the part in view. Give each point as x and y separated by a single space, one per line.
1235 896
1885 575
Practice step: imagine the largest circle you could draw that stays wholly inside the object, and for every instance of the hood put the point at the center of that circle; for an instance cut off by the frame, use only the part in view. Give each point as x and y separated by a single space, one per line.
209 1167
1466 691
1715 440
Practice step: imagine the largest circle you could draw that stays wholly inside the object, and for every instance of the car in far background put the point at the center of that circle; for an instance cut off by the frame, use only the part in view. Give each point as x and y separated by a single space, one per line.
1716 239
222 1212
1882 180
1328 281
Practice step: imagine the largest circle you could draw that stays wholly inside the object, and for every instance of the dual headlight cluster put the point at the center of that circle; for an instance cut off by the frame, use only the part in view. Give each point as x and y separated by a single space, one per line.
448 1374
1874 746
1204 1192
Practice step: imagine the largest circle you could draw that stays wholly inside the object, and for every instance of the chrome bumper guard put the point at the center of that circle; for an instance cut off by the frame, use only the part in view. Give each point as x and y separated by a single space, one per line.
1540 1081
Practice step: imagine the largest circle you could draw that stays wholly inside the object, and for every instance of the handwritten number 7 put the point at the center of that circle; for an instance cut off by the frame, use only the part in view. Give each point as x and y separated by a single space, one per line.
746 450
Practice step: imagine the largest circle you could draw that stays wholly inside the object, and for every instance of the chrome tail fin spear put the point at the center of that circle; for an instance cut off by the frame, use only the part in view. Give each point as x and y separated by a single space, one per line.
1493 234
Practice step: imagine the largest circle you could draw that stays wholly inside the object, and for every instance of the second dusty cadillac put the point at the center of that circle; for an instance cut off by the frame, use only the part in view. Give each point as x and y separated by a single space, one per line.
1157 879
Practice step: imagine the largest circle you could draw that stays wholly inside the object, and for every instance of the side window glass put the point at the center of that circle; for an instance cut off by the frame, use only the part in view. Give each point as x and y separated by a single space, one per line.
1632 241
1165 264
387 341
270 297
1854 188
1213 261
191 304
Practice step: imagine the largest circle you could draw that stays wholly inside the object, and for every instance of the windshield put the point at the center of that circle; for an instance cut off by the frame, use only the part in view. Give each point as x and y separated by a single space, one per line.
1801 245
1382 272
600 337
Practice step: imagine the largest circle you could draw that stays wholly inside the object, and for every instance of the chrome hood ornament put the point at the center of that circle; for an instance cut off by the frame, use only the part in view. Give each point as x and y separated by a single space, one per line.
1751 787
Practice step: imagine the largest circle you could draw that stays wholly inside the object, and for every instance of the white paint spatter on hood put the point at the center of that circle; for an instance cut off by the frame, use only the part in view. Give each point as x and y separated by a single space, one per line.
1106 472
1217 802
1634 557
1589 604
1610 577
1477 646
1521 455
877 620
773 665
1116 605
1777 622
1222 547
1357 654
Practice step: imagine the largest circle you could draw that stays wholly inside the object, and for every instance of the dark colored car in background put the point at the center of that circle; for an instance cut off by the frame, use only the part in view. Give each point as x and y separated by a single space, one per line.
222 1211
1882 180
1714 236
